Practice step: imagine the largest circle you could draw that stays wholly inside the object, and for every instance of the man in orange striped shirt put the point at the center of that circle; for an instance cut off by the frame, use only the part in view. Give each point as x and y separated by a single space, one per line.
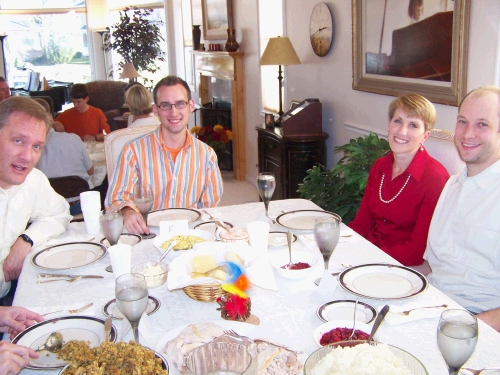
182 171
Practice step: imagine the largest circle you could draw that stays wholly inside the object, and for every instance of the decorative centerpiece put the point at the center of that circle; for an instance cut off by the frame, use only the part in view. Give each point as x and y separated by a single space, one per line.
216 137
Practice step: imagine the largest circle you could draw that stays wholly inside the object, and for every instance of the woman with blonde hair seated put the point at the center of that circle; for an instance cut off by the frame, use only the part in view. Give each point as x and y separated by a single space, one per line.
403 187
140 102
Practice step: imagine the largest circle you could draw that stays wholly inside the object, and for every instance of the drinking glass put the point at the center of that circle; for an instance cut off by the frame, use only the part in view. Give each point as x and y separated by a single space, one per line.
111 226
266 183
131 294
326 235
143 199
456 337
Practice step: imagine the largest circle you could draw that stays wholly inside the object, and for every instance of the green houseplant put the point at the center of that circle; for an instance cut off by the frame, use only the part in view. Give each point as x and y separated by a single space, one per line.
137 39
341 188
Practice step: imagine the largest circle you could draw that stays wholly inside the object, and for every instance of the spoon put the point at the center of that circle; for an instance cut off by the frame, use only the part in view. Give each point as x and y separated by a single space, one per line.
381 315
289 239
53 344
354 322
220 224
170 247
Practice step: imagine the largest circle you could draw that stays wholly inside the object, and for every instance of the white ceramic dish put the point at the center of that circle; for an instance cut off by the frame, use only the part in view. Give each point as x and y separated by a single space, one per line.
383 281
277 239
126 239
154 273
303 219
159 240
69 255
281 258
344 309
154 217
85 328
328 326
111 308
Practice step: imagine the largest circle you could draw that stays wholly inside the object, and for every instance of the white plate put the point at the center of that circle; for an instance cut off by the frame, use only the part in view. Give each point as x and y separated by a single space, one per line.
126 238
244 329
69 255
210 227
85 328
383 281
154 217
279 239
112 308
326 327
344 310
303 219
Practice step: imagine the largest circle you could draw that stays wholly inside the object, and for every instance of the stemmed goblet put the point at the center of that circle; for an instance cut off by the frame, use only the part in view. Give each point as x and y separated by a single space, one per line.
326 235
143 199
457 334
266 183
111 226
131 294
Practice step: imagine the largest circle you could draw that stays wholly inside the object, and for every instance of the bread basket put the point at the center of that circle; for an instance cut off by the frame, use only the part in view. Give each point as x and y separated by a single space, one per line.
207 292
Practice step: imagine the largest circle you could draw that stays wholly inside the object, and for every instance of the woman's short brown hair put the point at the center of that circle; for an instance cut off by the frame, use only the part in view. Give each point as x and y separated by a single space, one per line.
415 106
139 100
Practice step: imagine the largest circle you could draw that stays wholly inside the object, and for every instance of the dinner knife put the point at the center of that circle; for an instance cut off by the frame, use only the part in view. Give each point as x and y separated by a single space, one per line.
107 328
61 275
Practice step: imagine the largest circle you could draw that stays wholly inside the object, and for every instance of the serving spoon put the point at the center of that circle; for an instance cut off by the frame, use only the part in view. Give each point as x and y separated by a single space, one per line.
53 343
354 320
381 315
170 247
289 239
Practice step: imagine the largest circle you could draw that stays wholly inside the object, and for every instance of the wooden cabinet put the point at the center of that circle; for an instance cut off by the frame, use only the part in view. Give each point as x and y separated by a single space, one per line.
288 158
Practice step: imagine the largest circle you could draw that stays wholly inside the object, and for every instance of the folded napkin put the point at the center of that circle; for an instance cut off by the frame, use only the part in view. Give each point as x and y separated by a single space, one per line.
257 266
393 318
63 310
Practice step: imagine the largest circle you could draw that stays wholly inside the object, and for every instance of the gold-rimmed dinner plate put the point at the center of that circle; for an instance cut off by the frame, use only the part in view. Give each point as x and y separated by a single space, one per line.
126 239
343 310
112 309
69 255
383 281
303 219
168 214
87 328
276 239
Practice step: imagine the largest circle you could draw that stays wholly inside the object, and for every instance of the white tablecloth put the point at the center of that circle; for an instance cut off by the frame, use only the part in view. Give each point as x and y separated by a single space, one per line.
289 315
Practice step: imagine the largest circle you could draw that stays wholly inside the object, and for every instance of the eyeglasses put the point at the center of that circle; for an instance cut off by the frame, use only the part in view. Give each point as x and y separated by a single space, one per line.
168 106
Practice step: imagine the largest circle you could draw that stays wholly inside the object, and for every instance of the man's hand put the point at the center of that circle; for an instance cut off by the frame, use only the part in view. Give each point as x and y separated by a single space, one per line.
13 264
58 127
14 357
16 319
133 222
88 138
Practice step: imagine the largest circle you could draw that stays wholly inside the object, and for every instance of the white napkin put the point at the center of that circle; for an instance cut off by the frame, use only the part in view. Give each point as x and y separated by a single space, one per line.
63 310
393 318
144 329
327 285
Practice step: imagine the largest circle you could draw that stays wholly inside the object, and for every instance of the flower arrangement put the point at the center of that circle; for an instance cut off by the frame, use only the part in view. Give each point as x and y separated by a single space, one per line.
215 136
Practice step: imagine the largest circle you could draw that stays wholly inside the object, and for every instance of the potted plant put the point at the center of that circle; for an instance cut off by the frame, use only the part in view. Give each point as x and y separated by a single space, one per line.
137 39
341 188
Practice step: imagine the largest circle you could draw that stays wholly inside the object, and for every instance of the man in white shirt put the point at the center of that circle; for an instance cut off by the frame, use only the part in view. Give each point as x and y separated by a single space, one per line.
463 247
25 193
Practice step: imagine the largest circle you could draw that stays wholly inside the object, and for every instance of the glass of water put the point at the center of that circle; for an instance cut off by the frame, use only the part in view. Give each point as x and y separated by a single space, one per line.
266 183
111 226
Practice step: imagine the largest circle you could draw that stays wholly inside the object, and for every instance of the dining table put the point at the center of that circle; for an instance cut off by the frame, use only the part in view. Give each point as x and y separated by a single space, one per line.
288 315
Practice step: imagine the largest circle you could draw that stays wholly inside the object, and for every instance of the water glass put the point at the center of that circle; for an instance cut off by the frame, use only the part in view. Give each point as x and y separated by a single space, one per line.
143 199
111 226
326 235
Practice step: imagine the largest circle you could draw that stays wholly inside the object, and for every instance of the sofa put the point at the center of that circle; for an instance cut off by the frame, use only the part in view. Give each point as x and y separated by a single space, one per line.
109 96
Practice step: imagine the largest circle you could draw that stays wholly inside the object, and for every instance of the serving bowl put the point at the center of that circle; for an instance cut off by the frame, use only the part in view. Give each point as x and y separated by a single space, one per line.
159 240
281 258
412 363
154 273
326 327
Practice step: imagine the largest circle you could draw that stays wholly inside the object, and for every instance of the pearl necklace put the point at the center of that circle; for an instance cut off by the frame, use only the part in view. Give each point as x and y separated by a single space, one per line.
397 195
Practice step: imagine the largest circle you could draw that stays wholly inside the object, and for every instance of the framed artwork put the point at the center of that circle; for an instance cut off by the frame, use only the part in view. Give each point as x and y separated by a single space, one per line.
269 120
293 104
403 48
217 18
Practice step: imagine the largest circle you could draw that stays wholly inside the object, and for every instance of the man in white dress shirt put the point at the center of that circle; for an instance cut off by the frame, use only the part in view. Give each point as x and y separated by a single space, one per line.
463 247
25 193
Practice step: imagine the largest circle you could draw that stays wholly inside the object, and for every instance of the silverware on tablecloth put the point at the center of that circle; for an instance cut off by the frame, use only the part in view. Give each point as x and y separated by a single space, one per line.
65 275
70 280
74 311
407 312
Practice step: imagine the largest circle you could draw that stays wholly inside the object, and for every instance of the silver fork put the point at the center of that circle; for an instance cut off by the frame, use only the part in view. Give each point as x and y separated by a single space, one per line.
235 334
70 280
407 312
74 311
209 216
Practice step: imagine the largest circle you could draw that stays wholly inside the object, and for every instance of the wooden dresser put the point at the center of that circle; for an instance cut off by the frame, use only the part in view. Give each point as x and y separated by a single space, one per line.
288 158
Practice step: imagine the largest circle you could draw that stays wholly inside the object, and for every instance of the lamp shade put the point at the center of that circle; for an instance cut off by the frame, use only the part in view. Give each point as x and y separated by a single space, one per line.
128 71
279 51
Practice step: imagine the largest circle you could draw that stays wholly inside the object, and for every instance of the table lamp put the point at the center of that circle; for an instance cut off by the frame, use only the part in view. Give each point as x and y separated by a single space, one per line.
279 51
129 71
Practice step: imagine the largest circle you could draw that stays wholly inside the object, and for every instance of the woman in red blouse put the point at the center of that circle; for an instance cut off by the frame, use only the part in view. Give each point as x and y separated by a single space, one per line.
404 186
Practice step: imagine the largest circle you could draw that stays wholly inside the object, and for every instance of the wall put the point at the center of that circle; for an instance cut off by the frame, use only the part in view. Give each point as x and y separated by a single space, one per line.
329 78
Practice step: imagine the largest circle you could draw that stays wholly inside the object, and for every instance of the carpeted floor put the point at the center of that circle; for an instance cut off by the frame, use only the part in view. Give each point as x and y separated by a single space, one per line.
237 192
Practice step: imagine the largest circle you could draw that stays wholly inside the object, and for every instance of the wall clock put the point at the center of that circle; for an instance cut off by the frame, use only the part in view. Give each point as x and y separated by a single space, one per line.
321 29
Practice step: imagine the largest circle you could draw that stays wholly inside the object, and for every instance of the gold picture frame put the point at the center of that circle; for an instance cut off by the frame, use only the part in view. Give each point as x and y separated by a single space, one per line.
217 18
373 71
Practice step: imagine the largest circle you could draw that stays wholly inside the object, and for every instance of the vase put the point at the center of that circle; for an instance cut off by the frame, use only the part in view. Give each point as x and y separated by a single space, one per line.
196 37
231 44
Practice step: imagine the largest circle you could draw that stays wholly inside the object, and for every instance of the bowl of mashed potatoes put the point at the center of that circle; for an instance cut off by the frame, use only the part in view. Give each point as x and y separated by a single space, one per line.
154 273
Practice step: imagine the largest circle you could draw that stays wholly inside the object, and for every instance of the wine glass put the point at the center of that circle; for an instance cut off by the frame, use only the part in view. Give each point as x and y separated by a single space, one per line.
131 294
143 199
266 183
111 226
456 337
326 235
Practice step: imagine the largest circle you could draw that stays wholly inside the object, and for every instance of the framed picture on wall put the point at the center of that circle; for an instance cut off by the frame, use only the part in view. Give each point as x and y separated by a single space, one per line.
217 18
269 120
402 48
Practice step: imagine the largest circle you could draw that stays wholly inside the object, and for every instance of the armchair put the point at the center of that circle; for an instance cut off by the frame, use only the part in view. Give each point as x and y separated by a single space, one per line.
108 96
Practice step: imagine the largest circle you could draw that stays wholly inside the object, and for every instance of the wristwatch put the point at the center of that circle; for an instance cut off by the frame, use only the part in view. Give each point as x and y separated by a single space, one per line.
26 238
